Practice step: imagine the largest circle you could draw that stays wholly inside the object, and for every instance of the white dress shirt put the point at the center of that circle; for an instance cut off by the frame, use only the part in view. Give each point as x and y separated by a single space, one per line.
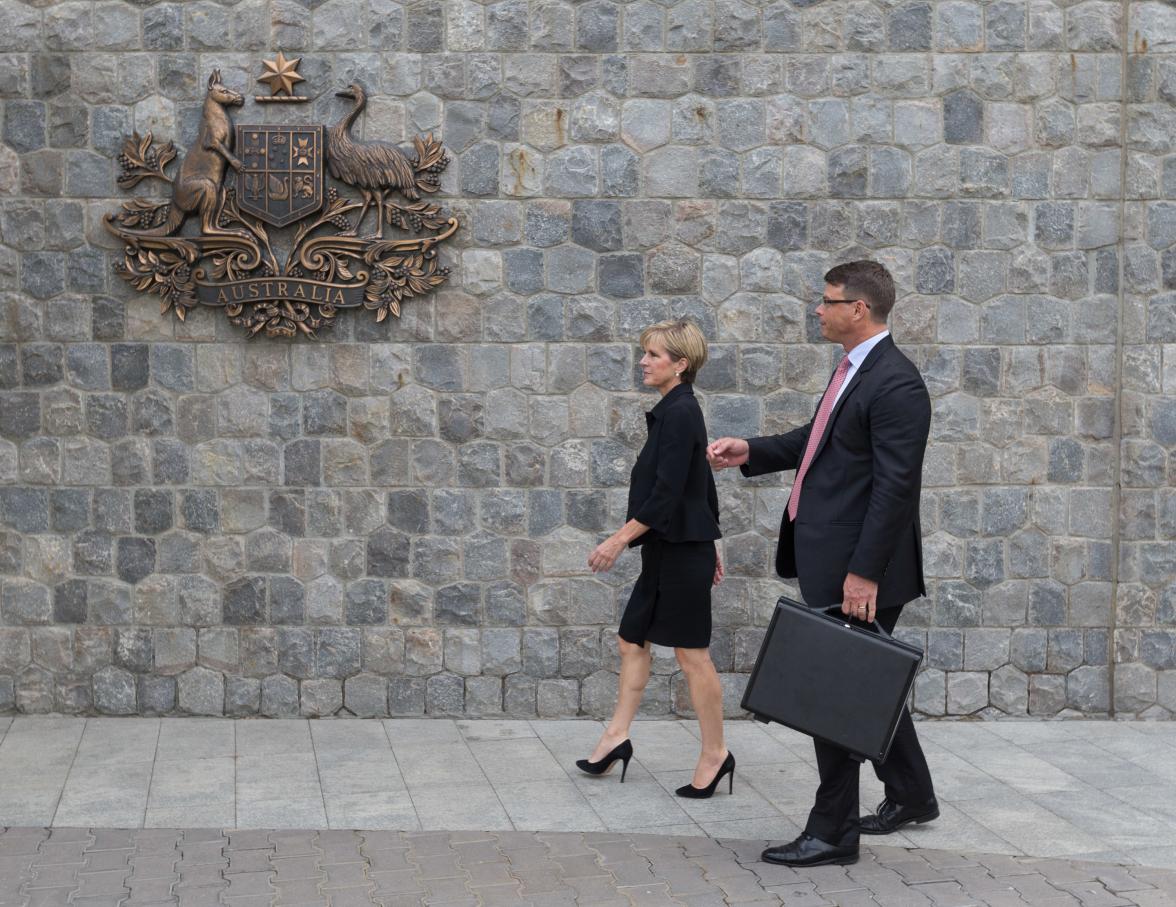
856 357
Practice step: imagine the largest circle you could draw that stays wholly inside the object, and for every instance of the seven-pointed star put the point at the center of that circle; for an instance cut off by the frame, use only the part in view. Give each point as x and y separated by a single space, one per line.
282 74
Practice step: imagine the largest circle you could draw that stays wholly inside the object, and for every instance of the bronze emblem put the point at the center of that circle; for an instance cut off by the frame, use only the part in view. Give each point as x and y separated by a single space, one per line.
278 180
282 180
280 75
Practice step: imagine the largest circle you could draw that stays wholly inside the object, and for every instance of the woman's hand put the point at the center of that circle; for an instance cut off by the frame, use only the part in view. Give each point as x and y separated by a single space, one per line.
605 554
718 565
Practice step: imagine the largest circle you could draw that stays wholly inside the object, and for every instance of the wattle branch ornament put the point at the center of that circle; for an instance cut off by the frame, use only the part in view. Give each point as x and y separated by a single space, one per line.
277 178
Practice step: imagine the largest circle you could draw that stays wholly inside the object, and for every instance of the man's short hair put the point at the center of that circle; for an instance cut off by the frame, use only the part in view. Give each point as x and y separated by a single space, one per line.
868 280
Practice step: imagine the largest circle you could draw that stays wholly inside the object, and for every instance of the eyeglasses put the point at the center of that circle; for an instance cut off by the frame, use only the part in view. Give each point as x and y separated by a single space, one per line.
825 300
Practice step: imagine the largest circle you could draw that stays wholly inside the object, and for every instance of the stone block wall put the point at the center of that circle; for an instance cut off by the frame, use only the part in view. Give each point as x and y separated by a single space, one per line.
394 519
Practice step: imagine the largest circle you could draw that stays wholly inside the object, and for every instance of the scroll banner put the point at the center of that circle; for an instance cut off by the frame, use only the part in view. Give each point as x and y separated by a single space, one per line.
296 289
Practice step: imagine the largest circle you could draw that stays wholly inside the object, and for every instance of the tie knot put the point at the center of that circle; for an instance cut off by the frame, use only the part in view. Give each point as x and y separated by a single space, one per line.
843 366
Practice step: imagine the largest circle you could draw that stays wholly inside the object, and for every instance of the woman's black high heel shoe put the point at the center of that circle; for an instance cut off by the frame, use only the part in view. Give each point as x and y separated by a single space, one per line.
622 751
701 793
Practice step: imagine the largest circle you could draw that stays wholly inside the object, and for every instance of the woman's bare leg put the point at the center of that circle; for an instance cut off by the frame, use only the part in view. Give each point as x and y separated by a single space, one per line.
706 695
635 664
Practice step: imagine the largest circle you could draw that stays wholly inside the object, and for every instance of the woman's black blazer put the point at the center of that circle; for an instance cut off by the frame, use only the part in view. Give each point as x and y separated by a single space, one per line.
672 489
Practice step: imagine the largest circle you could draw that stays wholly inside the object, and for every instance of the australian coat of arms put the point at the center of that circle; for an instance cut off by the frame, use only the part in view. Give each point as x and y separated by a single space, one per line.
276 178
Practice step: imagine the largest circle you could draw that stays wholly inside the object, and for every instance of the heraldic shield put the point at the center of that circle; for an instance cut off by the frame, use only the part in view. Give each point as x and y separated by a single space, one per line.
282 177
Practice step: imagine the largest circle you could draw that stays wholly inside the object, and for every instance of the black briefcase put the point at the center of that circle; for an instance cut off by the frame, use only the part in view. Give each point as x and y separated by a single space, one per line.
842 681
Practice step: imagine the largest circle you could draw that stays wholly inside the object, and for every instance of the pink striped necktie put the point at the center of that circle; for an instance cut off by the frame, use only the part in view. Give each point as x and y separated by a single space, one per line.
820 423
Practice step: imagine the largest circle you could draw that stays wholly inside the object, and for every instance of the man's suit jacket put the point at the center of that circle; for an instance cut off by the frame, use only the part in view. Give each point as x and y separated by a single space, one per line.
859 506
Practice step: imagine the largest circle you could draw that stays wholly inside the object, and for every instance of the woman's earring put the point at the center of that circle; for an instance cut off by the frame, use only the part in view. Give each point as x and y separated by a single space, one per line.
677 374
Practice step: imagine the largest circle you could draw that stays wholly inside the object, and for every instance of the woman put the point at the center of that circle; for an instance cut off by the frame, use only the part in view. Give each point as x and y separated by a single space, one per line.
673 515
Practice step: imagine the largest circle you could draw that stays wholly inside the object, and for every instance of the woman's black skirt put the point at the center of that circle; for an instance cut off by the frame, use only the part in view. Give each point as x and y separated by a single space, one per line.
671 602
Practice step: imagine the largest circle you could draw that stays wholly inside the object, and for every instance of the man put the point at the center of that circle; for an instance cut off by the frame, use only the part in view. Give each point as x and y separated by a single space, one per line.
850 533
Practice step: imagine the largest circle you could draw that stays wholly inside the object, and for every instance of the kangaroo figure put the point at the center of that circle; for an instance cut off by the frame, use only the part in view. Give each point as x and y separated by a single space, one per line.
198 185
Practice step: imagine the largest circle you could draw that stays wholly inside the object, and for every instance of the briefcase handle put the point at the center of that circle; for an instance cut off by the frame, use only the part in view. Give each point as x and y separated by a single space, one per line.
835 611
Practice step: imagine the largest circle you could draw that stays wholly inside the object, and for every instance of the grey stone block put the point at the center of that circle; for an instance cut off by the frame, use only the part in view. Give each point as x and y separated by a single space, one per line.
967 692
201 692
963 118
444 695
483 696
279 696
157 695
320 697
338 652
557 698
242 697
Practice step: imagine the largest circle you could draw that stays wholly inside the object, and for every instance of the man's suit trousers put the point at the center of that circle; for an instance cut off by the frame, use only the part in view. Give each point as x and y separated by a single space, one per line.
835 814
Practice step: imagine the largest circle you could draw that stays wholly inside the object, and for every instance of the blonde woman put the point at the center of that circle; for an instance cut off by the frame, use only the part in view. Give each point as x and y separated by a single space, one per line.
673 515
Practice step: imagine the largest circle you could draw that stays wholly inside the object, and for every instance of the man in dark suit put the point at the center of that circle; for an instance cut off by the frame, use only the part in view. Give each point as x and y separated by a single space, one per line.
850 534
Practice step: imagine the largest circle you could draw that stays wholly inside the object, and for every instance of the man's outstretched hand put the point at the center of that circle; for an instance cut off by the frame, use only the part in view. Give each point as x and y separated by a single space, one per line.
727 452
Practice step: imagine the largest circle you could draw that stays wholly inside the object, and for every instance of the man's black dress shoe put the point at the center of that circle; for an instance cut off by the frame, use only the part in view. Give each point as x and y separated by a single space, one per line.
891 816
809 851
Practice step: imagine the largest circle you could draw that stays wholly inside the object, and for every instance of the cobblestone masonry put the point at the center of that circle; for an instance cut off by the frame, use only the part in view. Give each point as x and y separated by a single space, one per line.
395 520
336 868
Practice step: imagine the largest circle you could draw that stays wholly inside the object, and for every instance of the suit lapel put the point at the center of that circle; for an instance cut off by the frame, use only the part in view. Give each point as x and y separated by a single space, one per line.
869 362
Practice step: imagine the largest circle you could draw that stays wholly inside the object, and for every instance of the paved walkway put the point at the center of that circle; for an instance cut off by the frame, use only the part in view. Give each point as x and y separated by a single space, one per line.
1032 812
196 868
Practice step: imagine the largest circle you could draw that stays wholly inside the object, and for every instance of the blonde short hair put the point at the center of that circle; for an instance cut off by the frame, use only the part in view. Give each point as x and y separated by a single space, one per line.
682 340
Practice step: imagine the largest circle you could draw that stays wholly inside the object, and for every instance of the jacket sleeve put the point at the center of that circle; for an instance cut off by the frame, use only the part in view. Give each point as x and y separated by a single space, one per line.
675 448
773 453
900 420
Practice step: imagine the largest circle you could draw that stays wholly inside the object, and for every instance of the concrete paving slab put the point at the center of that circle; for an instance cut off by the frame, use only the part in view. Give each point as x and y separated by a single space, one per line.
421 731
776 829
744 803
28 803
1121 826
951 772
1163 856
46 747
437 763
208 815
115 741
1094 764
494 729
1032 828
751 744
341 775
453 807
391 810
512 761
788 787
956 829
662 746
1019 769
276 736
546 805
277 777
642 802
1151 800
689 831
350 738
113 796
575 741
196 738
192 783
289 812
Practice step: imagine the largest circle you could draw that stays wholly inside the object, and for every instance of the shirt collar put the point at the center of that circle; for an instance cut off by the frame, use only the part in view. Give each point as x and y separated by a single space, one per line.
673 393
859 353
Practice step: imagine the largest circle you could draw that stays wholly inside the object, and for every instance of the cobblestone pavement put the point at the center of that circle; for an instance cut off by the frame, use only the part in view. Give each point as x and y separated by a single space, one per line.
338 868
